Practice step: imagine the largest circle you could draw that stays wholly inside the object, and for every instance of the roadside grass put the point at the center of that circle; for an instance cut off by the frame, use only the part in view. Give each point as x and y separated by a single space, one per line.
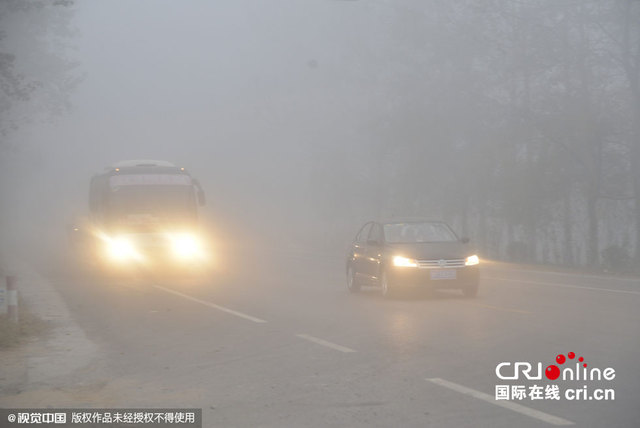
28 325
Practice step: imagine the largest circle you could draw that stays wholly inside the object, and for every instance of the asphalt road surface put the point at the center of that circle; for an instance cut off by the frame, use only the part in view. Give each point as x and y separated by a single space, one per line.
281 342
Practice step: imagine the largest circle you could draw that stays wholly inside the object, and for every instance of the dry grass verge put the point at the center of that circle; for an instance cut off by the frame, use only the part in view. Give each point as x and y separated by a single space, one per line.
28 325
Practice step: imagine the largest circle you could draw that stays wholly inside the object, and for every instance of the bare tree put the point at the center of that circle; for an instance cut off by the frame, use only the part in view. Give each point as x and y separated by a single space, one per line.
36 78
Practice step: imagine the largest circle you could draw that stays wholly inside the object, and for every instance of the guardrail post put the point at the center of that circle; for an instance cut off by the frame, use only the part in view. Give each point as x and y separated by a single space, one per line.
12 299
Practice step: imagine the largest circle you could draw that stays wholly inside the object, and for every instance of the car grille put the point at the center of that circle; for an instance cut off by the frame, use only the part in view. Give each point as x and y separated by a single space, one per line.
441 263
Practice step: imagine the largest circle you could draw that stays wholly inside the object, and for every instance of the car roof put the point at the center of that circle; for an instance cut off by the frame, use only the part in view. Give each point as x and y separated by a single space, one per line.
410 220
140 162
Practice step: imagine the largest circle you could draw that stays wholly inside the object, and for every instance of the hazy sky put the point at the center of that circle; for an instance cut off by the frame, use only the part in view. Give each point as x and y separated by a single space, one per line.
167 80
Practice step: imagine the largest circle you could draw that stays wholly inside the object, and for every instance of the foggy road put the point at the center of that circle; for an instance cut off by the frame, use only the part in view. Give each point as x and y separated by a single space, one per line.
284 343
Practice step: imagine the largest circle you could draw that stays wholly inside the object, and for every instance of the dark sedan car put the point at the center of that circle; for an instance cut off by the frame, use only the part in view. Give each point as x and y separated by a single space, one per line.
396 255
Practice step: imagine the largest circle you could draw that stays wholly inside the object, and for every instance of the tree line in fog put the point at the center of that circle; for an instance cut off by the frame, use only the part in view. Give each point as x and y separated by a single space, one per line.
518 122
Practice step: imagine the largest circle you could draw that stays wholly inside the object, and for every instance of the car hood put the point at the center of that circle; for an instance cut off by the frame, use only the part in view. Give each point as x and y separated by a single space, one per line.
431 250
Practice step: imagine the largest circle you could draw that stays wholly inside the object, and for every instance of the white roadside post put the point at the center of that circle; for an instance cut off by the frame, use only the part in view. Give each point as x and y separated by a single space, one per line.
3 298
12 299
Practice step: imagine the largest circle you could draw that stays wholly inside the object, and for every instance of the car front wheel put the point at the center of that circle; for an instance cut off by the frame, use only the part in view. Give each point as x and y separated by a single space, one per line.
387 289
352 282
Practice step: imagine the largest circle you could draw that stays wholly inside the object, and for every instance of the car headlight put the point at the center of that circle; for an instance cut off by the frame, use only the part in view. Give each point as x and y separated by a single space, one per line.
472 260
185 246
121 249
400 261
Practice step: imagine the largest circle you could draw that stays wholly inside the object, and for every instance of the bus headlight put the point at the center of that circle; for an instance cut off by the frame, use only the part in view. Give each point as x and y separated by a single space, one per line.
186 246
121 249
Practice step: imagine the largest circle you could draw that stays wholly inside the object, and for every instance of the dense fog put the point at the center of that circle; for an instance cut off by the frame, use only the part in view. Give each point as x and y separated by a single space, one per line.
305 292
517 122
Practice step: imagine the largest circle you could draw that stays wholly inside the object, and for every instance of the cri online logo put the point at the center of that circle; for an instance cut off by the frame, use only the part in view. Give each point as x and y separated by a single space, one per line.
553 372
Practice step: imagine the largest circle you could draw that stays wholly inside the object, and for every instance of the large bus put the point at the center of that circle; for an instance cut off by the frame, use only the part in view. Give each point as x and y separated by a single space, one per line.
143 213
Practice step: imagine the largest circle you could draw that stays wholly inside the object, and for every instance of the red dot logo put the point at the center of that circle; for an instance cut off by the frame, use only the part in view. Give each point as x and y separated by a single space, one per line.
571 355
560 359
581 359
552 372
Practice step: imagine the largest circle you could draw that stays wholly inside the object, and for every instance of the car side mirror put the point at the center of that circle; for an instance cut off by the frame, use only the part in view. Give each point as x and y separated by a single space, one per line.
464 240
200 193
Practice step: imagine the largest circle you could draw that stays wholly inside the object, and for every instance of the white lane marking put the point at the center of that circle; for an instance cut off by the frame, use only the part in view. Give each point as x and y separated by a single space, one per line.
545 417
325 343
558 284
211 305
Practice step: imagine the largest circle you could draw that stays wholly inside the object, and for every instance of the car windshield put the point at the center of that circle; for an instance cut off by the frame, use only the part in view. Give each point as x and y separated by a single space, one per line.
410 233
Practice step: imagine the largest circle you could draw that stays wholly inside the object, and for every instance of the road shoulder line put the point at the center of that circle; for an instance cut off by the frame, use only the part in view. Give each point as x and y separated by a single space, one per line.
570 274
499 308
558 284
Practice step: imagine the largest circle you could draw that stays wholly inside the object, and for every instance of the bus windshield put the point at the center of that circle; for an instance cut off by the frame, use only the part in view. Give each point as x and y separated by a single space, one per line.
155 203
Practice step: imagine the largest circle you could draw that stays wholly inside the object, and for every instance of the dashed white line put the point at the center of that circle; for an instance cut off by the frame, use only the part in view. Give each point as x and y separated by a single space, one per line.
545 417
325 343
211 305
558 284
